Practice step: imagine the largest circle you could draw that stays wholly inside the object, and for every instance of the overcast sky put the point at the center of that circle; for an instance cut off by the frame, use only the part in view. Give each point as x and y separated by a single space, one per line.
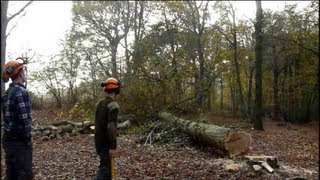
41 28
46 22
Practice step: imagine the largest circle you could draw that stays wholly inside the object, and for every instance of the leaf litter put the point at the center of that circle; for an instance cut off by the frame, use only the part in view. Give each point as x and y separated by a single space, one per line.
296 148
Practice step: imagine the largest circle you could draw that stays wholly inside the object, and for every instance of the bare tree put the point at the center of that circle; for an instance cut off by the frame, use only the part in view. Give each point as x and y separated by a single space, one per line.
5 19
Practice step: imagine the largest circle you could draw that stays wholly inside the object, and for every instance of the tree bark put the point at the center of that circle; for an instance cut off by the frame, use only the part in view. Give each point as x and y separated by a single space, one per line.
258 65
237 68
4 23
291 99
200 94
221 94
114 50
233 142
250 103
233 101
276 107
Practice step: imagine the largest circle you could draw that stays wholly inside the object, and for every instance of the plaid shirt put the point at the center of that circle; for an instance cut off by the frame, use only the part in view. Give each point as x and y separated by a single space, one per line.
17 112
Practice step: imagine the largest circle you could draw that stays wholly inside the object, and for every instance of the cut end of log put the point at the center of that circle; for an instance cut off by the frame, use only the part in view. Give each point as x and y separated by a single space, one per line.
237 143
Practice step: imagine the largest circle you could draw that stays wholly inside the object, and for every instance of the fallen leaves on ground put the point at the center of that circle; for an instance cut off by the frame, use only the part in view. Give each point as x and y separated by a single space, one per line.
296 148
294 145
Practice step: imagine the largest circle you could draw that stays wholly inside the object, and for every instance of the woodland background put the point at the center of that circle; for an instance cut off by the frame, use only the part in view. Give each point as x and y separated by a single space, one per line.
196 59
186 57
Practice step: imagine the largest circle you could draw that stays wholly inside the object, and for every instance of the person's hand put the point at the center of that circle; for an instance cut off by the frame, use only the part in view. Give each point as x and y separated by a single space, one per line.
113 152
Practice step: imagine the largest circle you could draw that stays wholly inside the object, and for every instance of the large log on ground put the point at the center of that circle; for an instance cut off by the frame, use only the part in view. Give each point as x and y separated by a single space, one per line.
233 142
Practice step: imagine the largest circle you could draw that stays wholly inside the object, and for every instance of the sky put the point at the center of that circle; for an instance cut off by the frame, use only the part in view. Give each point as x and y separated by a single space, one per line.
46 23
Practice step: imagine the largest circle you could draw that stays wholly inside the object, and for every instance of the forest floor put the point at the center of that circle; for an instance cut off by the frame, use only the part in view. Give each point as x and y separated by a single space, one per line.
296 148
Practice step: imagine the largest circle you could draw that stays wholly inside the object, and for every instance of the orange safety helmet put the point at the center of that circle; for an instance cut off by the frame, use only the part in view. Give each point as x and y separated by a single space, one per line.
10 69
111 83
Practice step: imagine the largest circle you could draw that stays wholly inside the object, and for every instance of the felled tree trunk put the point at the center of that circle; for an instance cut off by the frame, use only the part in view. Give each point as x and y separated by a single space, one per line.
233 142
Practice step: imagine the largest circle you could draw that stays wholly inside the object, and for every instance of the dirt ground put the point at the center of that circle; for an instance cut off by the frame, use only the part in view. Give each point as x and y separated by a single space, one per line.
296 148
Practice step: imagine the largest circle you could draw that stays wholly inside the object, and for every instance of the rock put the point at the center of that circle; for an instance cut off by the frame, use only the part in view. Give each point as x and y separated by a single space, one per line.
257 167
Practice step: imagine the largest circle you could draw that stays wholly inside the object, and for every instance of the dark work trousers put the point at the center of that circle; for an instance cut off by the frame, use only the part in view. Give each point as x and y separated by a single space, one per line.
104 171
18 157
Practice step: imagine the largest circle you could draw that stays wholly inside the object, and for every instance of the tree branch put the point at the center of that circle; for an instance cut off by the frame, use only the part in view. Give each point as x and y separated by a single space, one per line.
203 16
21 10
224 34
293 41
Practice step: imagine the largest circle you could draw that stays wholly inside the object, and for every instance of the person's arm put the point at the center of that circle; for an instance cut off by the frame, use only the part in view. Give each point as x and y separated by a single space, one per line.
112 124
24 115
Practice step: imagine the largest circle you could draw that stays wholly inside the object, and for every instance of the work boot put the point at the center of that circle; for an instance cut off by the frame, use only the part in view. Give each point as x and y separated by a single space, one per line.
102 174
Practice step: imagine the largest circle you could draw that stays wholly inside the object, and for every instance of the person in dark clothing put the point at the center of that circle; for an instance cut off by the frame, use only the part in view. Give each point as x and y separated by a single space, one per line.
106 127
16 107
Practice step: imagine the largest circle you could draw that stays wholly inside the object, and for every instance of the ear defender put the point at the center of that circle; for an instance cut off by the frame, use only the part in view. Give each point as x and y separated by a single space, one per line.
103 84
111 83
117 91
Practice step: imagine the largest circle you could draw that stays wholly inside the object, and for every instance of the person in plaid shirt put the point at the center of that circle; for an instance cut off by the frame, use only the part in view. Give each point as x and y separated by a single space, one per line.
16 107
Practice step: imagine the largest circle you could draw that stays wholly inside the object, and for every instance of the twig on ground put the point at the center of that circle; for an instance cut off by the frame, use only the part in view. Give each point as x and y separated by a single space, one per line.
149 137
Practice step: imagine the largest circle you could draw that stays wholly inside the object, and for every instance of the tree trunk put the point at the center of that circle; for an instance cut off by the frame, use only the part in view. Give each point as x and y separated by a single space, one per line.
126 52
114 50
198 30
297 90
233 101
275 71
171 34
57 98
258 64
211 97
200 92
284 93
138 26
291 102
4 23
175 66
221 94
250 92
92 66
237 68
233 142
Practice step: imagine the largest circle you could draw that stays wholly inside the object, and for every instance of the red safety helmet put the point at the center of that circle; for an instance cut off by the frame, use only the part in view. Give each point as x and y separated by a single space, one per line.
111 83
12 68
